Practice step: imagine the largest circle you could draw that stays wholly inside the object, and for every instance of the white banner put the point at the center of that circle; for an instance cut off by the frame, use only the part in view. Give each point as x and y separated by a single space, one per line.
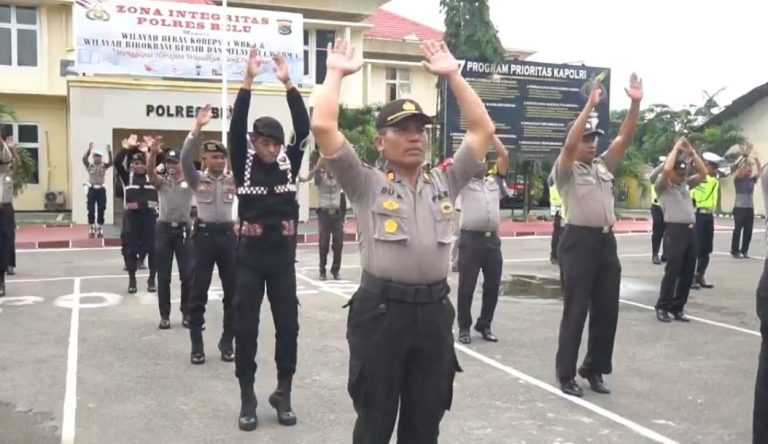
171 39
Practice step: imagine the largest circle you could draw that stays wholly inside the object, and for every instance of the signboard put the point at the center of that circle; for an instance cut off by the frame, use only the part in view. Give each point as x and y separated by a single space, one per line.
173 39
531 104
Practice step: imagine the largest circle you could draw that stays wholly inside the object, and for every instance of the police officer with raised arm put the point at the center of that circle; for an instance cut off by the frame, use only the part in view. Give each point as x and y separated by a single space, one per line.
399 327
480 246
674 194
266 253
97 193
760 409
705 197
657 214
173 230
213 235
588 257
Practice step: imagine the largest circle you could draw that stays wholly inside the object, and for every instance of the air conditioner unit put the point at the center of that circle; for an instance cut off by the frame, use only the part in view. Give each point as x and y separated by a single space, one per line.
54 200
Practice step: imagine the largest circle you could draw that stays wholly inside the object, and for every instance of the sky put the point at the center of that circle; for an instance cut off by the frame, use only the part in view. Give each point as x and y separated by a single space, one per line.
679 48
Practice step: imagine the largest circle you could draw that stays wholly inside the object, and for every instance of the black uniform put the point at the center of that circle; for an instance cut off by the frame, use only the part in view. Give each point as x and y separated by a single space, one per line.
140 216
760 412
657 216
266 254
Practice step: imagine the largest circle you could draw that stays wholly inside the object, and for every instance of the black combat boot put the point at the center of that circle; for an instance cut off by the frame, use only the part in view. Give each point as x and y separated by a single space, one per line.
280 400
151 288
197 356
132 283
248 420
226 348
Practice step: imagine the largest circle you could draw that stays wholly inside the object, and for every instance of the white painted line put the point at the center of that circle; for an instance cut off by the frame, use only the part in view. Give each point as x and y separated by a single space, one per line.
70 393
722 253
637 428
695 318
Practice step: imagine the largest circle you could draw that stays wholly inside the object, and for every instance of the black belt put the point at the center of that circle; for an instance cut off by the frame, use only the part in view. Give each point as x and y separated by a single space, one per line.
480 233
215 226
704 210
330 211
173 224
602 230
680 225
409 293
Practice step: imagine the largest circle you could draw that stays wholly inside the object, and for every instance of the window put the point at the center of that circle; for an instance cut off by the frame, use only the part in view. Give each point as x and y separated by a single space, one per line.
315 52
397 83
27 136
18 35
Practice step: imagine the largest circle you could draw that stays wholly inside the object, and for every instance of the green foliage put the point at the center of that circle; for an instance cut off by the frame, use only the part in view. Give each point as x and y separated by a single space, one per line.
6 112
469 31
23 174
359 127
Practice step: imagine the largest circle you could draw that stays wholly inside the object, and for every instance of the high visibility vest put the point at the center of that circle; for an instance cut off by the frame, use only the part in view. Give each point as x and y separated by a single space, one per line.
654 197
554 196
705 194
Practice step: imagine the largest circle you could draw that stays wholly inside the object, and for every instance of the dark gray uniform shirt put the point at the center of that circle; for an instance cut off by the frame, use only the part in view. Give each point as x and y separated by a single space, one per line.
405 231
587 193
175 200
215 194
479 201
675 201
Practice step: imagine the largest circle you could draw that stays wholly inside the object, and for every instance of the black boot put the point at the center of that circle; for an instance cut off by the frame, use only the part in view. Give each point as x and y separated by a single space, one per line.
280 400
151 288
703 283
197 356
247 421
132 284
226 348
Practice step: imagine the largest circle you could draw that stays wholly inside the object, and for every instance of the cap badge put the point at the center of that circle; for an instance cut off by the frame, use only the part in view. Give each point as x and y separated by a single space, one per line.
409 106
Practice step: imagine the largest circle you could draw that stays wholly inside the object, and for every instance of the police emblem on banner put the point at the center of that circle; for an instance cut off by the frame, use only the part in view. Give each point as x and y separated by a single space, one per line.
284 27
96 10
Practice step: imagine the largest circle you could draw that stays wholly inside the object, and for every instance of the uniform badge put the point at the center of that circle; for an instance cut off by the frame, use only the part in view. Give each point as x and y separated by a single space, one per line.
447 208
390 205
391 175
427 177
601 167
390 226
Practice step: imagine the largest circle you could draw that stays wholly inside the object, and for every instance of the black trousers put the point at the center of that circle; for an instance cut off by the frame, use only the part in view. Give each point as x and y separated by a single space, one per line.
97 202
331 225
212 244
9 225
557 229
680 251
760 412
743 219
172 241
705 235
591 278
140 239
478 252
658 229
124 238
280 287
5 244
397 334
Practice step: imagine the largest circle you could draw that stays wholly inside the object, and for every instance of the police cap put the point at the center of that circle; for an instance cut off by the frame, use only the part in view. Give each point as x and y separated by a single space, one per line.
712 158
214 146
396 111
589 130
172 155
270 128
680 165
139 157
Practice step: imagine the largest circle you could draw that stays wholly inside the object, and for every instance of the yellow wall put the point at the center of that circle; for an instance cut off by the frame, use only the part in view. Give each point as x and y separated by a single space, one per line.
50 113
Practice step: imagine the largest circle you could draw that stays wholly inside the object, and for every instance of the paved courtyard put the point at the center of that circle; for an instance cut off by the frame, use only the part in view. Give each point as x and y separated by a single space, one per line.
82 361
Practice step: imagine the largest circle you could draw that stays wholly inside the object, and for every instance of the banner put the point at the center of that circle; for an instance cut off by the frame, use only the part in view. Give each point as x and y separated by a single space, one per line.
531 103
171 39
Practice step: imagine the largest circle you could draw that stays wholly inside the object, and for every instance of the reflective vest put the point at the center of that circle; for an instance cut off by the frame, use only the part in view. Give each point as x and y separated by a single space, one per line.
654 197
554 196
705 194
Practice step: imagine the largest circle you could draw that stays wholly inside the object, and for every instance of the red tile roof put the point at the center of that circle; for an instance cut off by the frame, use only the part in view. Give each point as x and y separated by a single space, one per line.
387 25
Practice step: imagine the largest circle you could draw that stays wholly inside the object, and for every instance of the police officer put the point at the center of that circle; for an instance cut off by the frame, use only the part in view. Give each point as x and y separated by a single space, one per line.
480 246
8 170
213 236
269 215
556 211
173 230
587 251
97 194
132 143
331 210
6 156
760 411
705 197
399 326
657 215
140 216
672 187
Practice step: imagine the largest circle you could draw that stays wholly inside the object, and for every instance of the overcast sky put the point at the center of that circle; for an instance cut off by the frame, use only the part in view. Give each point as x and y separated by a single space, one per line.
678 47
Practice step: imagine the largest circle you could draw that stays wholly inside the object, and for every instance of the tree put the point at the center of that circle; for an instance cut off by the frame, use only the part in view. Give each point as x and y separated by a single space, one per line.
469 31
23 174
359 127
6 112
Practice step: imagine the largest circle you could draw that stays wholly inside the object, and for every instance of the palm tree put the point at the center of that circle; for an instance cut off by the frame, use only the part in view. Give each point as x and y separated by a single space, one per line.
6 112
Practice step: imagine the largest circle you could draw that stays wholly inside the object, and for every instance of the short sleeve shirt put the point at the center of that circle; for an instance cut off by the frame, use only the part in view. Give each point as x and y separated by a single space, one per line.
480 204
586 190
675 201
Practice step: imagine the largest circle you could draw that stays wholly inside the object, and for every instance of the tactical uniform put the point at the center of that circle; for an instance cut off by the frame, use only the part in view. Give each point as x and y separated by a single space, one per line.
679 246
173 232
140 216
213 242
331 210
591 272
6 157
97 193
266 254
479 249
705 197
399 322
760 410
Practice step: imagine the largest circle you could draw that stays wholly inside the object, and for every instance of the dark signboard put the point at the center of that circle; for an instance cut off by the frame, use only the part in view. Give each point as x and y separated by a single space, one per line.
531 104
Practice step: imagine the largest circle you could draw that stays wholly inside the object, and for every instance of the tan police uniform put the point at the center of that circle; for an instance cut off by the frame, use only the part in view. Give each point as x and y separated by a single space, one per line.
399 325
590 266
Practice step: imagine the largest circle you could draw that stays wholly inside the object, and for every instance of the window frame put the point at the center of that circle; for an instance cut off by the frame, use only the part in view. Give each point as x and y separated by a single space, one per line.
14 26
27 146
312 49
397 82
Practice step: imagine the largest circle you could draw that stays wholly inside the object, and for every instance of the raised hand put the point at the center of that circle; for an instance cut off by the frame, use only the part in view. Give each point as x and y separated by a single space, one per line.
254 63
341 58
154 143
595 93
635 89
11 142
204 116
439 61
281 68
90 146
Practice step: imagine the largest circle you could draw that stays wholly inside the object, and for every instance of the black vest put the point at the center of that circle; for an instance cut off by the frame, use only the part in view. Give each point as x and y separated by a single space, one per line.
267 198
139 193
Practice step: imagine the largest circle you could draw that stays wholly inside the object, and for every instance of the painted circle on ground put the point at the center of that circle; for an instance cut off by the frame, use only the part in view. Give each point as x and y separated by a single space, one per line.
107 300
15 301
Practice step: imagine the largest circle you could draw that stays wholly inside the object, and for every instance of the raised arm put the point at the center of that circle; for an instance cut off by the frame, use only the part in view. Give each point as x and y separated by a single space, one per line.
120 168
502 157
568 153
669 164
618 148
698 163
238 125
299 116
109 157
656 172
154 148
191 148
86 163
6 155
